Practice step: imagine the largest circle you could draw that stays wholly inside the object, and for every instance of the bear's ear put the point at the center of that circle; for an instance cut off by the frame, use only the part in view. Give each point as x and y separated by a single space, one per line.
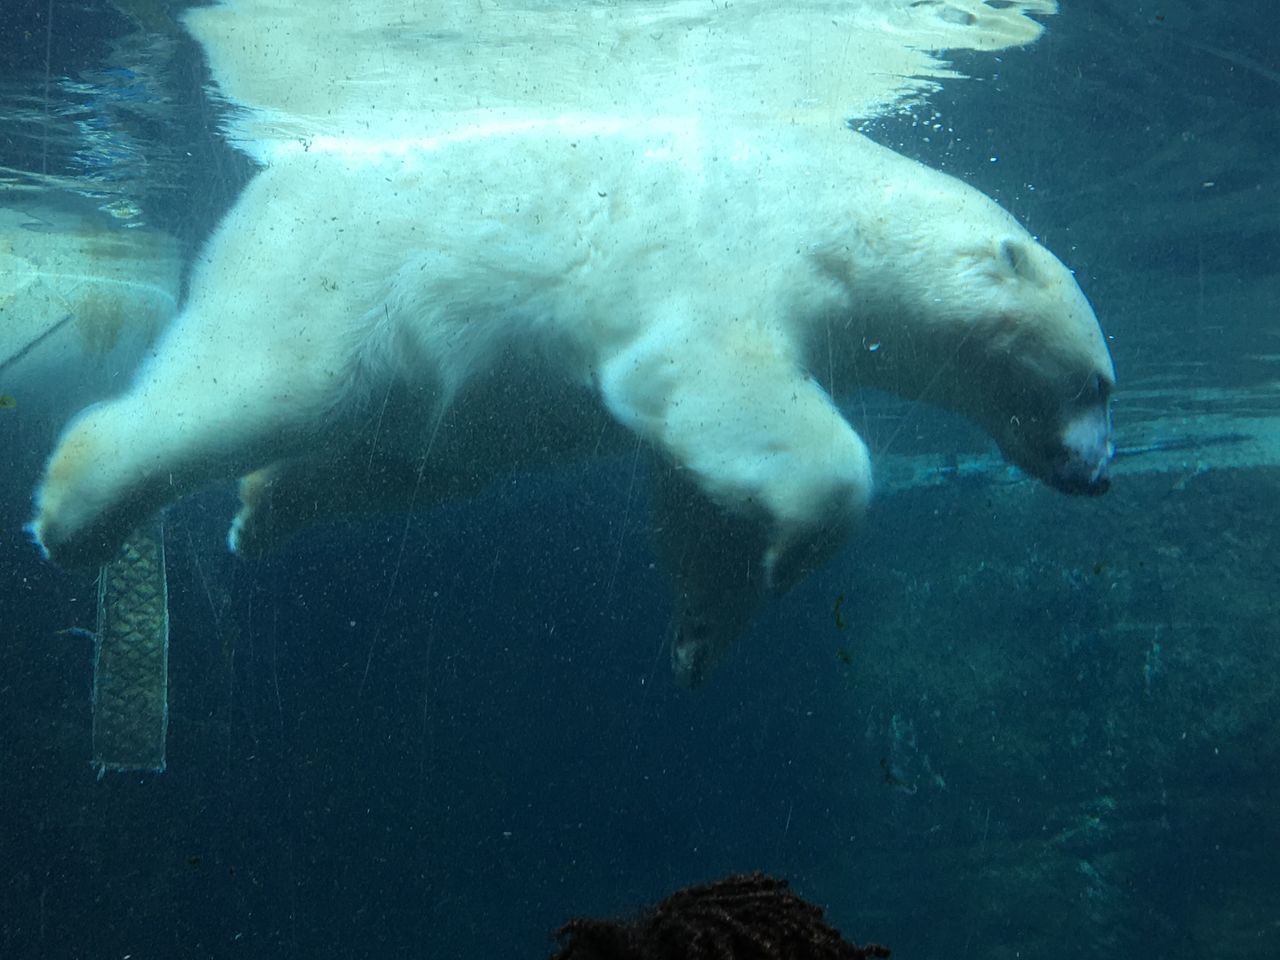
1015 258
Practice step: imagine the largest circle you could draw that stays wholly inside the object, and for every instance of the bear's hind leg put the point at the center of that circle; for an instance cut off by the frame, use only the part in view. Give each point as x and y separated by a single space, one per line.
287 496
203 410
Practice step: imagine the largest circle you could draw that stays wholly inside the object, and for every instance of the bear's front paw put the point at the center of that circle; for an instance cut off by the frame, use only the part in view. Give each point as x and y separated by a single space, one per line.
795 552
695 650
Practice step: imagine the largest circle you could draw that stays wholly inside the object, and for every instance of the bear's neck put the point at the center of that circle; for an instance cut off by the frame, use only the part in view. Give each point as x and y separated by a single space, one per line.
865 333
852 347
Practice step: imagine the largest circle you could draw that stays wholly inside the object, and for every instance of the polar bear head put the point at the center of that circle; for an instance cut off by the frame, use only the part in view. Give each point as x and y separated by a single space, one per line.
1040 373
955 303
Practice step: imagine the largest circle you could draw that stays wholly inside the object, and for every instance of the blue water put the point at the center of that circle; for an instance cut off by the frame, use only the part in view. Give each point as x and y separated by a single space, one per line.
1000 724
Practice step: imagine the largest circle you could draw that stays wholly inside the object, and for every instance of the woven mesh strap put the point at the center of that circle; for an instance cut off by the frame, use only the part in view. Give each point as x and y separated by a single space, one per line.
131 657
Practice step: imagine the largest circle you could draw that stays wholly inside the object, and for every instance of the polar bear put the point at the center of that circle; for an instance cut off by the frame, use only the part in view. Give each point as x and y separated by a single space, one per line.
405 322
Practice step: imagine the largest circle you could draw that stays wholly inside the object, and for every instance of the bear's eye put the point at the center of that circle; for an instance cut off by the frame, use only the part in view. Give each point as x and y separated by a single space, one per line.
1096 388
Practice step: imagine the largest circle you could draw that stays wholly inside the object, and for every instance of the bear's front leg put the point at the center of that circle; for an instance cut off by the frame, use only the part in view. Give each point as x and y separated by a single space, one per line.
734 414
713 559
758 436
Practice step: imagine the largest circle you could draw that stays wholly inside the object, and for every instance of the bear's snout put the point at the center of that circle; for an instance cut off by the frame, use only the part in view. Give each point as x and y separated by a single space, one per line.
1083 464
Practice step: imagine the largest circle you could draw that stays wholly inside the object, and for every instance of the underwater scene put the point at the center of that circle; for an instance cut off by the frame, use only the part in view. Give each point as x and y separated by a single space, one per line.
640 479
